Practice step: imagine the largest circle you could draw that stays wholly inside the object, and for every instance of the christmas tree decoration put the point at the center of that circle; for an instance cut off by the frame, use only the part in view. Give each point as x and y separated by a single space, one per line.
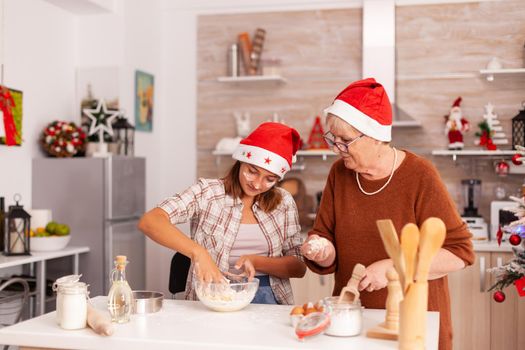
499 296
491 124
455 126
316 139
101 122
62 139
515 239
514 269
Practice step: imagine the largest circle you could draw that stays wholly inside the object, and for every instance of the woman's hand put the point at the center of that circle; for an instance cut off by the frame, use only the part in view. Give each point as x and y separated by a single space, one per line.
205 267
319 250
246 263
375 276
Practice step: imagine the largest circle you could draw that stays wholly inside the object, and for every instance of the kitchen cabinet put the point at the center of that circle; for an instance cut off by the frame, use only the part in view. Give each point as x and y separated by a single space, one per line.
312 287
478 321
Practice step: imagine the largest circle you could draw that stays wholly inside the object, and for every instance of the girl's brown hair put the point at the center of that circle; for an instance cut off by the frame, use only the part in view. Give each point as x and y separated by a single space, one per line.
268 200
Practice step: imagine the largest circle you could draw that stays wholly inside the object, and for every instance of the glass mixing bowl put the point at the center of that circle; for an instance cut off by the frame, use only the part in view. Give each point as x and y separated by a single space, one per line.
226 297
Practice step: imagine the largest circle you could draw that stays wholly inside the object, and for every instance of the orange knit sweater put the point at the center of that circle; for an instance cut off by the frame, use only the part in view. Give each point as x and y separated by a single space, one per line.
347 217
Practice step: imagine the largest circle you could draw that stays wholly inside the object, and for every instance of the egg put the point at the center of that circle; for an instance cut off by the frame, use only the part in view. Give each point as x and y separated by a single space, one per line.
298 310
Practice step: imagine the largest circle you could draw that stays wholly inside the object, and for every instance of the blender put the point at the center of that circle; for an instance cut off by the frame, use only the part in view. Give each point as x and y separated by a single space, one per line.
471 198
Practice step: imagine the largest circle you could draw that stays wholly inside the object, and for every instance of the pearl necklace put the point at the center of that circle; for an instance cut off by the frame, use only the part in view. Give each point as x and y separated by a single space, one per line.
387 181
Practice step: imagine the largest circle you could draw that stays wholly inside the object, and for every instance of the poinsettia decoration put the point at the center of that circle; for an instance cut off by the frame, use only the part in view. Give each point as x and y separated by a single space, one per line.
63 139
485 136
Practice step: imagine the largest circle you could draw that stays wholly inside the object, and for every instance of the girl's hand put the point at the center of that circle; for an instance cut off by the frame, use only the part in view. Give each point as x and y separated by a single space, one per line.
246 263
319 250
205 267
375 276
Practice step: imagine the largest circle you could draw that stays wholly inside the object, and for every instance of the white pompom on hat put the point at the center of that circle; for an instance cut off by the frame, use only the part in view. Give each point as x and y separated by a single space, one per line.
364 104
271 146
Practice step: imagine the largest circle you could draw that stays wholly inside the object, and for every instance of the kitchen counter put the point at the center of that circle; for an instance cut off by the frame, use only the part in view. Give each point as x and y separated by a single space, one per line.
190 325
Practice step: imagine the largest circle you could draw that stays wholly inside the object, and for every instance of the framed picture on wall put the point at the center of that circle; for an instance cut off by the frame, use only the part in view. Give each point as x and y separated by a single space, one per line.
17 118
144 91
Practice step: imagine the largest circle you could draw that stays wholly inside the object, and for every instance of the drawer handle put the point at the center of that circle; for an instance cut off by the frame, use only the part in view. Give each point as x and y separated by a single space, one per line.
482 274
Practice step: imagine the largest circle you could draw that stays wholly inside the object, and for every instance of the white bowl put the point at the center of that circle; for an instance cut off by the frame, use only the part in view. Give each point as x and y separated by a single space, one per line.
47 244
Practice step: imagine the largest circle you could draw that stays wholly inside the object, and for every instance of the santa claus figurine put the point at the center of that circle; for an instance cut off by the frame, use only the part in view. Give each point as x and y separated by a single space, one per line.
455 126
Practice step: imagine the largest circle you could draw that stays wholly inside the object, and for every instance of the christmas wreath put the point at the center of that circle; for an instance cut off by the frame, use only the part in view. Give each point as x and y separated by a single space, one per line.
63 139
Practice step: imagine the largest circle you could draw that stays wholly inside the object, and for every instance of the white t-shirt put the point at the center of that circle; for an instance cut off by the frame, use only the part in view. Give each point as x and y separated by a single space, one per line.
250 240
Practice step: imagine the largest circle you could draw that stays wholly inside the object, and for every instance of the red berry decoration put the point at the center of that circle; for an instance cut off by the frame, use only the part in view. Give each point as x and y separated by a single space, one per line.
499 296
515 239
515 159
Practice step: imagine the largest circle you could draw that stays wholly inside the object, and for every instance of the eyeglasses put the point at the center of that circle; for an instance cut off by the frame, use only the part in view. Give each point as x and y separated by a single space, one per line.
341 146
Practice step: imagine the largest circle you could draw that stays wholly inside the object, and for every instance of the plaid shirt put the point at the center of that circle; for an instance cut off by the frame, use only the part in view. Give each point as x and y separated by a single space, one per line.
215 218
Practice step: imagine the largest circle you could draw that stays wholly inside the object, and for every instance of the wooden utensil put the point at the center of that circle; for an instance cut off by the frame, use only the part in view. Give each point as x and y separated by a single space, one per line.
409 245
431 238
412 320
391 242
350 293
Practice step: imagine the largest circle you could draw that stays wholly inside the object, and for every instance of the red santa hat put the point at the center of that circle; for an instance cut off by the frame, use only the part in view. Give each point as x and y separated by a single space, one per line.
271 146
364 104
457 102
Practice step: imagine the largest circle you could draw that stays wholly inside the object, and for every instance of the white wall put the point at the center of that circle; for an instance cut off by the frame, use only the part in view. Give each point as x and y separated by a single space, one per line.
39 60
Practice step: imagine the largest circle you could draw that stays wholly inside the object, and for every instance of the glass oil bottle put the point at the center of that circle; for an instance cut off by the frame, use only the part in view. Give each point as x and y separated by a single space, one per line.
120 297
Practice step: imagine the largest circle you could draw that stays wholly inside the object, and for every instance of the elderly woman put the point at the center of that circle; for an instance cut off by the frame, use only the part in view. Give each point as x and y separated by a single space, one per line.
373 180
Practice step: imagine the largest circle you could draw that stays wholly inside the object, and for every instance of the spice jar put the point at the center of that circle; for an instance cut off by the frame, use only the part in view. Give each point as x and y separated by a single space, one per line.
70 279
346 319
73 305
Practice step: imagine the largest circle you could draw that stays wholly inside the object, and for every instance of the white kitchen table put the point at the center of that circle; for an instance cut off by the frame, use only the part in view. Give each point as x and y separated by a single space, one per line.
40 258
189 325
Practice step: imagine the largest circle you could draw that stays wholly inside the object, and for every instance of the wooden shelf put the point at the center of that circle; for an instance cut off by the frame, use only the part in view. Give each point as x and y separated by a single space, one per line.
302 153
474 153
490 74
253 79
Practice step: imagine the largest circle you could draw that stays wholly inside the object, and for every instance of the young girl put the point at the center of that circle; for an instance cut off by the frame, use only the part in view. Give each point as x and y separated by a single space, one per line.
240 222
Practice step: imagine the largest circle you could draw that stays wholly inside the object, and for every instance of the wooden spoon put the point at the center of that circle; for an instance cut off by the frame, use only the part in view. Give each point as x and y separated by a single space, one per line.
391 242
431 239
409 244
350 293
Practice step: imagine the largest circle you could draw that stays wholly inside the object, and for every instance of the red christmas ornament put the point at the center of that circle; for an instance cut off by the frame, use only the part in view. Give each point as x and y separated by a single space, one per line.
499 235
502 168
515 239
515 159
520 286
499 296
